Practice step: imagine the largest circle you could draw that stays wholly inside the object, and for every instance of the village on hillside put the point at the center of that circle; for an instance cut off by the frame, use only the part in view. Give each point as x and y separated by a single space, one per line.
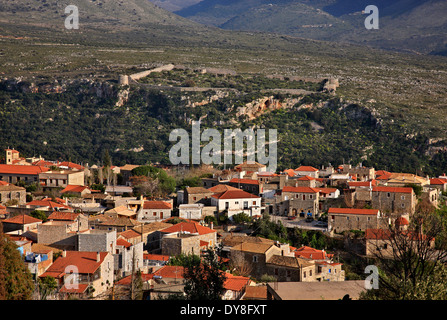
283 235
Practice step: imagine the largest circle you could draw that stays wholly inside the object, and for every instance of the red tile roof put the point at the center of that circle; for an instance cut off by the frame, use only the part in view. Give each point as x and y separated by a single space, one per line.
156 257
353 211
234 194
305 178
73 188
129 234
4 183
244 181
190 227
235 283
222 188
122 242
81 288
63 216
384 177
47 203
438 181
311 253
401 221
22 219
300 189
326 190
170 272
393 189
306 168
83 260
156 205
385 234
18 169
70 165
290 172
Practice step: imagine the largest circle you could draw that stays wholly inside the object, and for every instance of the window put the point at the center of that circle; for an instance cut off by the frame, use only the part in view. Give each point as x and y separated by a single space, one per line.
304 274
310 196
154 214
245 204
288 273
255 258
227 205
254 203
388 195
402 197
310 273
304 197
347 218
276 271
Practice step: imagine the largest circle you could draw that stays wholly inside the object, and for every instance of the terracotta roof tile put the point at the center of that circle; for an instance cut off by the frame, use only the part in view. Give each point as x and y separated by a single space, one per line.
353 211
156 205
306 168
22 219
18 169
234 194
300 189
190 227
393 189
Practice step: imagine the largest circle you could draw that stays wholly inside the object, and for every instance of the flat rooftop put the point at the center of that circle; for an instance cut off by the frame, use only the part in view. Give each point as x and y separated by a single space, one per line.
325 290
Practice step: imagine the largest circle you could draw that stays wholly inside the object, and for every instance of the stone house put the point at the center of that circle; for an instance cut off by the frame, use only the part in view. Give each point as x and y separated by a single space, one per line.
12 194
346 219
154 211
290 268
76 190
256 255
197 195
22 222
97 240
237 201
380 242
250 166
149 233
14 173
126 172
62 229
235 286
127 257
431 195
79 271
249 185
307 171
360 173
118 224
394 200
60 179
438 183
295 200
404 179
187 238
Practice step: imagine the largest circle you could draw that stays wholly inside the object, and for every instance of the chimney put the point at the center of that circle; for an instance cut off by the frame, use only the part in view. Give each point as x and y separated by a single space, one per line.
211 225
64 253
98 257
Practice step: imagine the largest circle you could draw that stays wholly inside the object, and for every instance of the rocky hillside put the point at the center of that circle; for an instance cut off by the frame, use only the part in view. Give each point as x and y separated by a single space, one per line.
405 25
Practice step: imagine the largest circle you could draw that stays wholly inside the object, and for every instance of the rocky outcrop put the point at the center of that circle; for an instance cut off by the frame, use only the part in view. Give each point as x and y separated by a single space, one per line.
258 107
